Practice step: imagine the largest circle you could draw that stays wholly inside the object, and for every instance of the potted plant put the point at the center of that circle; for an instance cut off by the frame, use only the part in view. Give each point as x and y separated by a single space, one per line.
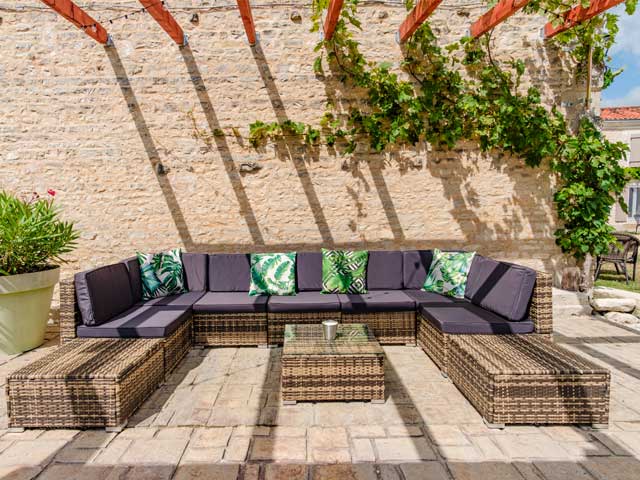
32 239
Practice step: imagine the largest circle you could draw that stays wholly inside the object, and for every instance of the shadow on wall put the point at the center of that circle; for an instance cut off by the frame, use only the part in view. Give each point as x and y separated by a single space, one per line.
149 146
457 182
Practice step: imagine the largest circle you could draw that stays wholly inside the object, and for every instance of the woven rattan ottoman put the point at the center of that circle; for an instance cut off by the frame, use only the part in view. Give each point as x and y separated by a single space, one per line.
85 383
528 379
349 368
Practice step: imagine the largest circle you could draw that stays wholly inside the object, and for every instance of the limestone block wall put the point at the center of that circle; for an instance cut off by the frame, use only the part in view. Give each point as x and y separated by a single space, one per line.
124 135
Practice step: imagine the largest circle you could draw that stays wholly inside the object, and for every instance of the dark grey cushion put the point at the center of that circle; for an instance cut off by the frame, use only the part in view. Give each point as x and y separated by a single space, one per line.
376 301
231 302
415 266
135 278
180 300
304 302
229 272
103 293
501 287
309 271
466 318
384 270
430 298
195 270
139 322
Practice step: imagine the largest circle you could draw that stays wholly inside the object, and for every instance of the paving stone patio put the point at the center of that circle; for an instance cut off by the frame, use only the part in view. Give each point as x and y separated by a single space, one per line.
219 416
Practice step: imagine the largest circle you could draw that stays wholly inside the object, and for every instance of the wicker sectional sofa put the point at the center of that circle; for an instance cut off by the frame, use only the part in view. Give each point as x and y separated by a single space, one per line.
222 312
495 344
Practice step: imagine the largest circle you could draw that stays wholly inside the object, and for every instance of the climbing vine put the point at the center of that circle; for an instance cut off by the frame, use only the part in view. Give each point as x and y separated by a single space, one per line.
461 92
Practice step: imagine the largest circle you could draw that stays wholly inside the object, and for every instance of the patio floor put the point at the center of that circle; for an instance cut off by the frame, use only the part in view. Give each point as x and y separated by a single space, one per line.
220 416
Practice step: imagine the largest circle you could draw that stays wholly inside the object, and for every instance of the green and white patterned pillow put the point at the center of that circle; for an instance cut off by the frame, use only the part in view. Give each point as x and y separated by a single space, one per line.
273 274
448 273
162 274
344 271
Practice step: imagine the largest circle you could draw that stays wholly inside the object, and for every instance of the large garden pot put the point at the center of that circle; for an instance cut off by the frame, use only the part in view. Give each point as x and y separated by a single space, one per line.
25 301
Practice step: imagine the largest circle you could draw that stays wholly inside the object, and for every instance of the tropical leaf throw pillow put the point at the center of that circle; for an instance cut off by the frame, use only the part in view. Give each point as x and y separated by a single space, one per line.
273 274
344 271
448 273
162 274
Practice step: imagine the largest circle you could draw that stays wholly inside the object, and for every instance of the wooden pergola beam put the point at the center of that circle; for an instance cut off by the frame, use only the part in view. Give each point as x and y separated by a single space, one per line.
247 20
164 18
416 17
498 14
79 18
578 15
333 15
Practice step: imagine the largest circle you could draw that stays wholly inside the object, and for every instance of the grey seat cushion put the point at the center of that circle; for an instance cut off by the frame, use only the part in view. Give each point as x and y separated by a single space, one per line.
466 318
430 298
415 267
103 293
195 270
229 272
377 301
309 271
304 302
384 270
230 302
500 287
180 300
139 322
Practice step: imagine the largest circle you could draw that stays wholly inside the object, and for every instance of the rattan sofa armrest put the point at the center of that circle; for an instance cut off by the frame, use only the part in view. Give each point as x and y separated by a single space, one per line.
541 309
69 314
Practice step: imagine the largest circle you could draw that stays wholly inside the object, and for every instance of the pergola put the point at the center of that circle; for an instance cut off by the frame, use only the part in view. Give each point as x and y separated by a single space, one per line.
418 15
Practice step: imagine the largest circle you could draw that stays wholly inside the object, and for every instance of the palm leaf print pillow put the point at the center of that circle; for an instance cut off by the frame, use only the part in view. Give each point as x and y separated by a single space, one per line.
162 274
344 271
273 274
448 273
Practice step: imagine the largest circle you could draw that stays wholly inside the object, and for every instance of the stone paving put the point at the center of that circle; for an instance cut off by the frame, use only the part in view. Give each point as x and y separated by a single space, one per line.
220 416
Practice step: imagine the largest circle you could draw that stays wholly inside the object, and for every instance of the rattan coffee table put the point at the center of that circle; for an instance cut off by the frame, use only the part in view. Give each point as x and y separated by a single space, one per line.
349 368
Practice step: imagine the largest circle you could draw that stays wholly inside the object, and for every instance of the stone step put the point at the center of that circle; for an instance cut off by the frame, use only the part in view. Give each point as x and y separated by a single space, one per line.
570 303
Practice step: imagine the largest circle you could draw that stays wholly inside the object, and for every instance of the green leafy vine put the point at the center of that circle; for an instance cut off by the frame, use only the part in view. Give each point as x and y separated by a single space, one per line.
460 92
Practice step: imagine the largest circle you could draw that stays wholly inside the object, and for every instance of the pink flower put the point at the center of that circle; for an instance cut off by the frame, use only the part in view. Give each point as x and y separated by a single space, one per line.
51 192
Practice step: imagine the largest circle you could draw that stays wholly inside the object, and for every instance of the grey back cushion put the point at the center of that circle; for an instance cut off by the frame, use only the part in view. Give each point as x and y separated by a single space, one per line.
135 277
415 267
103 293
384 270
229 272
195 270
309 271
500 287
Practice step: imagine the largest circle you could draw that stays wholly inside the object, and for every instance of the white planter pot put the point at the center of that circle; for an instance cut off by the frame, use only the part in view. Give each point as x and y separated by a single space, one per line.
25 301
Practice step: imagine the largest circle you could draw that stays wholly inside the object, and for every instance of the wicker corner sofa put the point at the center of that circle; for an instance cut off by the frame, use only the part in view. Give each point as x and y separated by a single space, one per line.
217 310
494 344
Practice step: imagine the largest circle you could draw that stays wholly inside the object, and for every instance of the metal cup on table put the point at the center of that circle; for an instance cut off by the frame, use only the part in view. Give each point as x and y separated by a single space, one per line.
330 329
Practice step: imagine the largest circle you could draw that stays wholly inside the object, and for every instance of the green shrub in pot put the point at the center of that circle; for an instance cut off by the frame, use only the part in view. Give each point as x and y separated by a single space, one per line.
33 240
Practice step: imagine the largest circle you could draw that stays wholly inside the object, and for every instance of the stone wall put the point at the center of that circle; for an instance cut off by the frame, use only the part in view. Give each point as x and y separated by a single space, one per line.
111 131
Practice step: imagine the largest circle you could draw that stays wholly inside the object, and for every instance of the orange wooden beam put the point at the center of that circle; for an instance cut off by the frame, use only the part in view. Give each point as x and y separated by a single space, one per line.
164 18
247 20
79 18
578 15
498 14
333 15
416 17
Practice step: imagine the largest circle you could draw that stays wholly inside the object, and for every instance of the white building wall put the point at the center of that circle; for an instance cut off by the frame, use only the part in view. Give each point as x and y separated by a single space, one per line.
627 131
